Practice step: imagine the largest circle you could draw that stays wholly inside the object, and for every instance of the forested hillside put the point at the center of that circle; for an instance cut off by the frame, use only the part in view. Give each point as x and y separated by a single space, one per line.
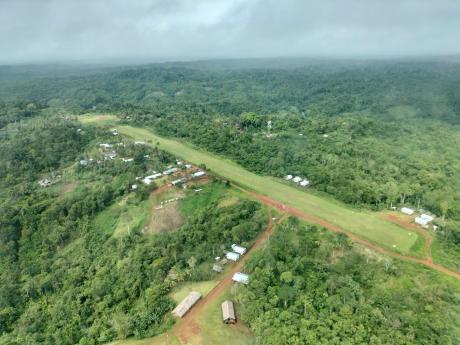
67 279
311 287
372 134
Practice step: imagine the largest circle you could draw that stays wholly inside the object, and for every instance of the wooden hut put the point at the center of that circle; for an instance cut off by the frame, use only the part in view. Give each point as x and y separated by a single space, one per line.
186 304
228 312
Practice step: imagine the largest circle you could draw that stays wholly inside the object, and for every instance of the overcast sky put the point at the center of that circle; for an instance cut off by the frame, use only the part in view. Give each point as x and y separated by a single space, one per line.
57 30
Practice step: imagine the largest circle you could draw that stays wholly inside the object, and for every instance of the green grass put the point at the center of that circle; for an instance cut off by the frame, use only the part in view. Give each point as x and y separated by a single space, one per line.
199 200
181 291
366 224
445 255
214 331
122 216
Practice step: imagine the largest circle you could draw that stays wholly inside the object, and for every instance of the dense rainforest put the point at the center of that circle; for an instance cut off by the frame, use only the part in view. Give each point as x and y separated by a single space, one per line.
314 287
64 280
373 134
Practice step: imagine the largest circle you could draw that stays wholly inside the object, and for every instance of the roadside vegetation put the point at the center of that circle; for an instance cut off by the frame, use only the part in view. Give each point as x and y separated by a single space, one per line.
89 254
309 286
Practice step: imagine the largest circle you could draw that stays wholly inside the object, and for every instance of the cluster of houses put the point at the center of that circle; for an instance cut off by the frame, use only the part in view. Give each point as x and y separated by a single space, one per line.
227 307
303 182
423 219
236 253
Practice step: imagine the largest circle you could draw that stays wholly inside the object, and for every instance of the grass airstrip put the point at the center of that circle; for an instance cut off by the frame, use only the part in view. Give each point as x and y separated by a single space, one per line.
366 224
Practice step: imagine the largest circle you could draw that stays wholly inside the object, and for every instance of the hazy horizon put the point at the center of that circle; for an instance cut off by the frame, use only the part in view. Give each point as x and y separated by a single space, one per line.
181 30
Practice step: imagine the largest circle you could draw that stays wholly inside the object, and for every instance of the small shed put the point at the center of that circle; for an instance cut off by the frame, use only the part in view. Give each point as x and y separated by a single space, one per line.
297 179
288 177
186 304
198 174
240 278
238 249
217 267
228 312
232 256
407 210
304 183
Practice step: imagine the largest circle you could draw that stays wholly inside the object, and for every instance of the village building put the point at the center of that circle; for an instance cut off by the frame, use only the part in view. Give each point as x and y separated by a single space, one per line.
45 182
240 278
188 166
178 182
232 256
217 268
139 143
127 159
238 249
304 183
297 179
228 312
424 219
170 171
84 162
407 210
198 174
186 304
105 146
288 177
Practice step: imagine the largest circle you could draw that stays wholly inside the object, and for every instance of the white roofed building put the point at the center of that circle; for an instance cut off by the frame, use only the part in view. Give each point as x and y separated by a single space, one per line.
407 210
238 249
240 278
297 179
232 256
186 304
304 183
288 177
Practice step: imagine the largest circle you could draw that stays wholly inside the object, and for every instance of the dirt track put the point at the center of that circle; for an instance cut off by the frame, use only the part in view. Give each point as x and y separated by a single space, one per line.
188 326
315 220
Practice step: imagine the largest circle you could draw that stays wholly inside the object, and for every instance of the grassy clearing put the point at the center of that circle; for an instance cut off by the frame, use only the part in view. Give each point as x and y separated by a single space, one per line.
214 331
366 224
199 200
101 119
181 291
164 339
122 217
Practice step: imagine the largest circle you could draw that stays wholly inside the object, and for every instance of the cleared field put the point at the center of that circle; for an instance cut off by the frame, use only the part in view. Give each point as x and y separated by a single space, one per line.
179 293
366 224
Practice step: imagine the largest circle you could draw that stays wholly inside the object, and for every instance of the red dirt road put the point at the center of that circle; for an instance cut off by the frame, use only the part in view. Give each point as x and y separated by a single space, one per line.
315 220
188 326
410 226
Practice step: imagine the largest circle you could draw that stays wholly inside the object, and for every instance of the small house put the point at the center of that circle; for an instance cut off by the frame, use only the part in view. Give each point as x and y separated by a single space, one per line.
127 159
188 166
170 171
228 312
297 179
178 182
84 162
240 278
186 304
407 210
288 177
304 183
105 146
232 256
217 268
139 143
424 219
198 174
238 249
